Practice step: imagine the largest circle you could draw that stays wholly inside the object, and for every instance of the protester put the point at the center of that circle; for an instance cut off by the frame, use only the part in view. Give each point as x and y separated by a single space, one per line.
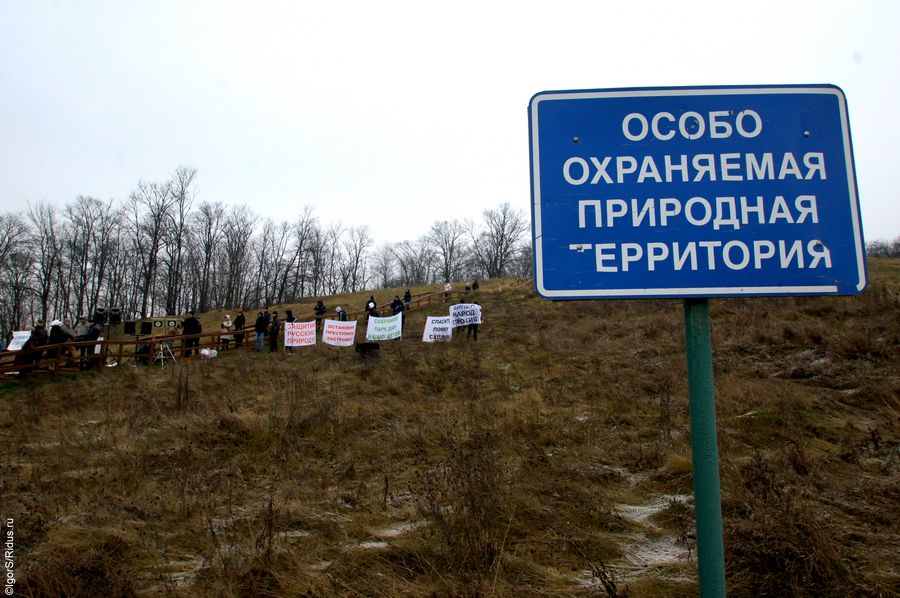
190 326
372 307
38 338
397 308
273 332
260 327
240 322
341 313
91 334
472 329
407 297
289 319
60 334
319 310
475 285
447 289
227 327
82 326
67 328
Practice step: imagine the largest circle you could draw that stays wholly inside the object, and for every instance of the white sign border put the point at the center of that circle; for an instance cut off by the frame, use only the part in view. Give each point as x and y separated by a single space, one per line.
696 291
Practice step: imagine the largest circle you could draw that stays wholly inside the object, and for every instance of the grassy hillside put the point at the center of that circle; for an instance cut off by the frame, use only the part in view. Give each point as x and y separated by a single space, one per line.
550 458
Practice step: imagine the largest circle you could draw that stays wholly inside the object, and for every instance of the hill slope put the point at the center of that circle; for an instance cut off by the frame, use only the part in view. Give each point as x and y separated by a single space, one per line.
550 458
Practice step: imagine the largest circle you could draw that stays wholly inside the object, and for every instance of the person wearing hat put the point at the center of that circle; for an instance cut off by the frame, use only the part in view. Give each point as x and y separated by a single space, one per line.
341 314
60 334
81 326
319 310
190 326
227 327
240 322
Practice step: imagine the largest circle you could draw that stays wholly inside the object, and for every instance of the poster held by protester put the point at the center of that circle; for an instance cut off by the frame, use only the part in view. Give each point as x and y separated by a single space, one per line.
463 314
437 329
20 337
299 334
339 334
384 329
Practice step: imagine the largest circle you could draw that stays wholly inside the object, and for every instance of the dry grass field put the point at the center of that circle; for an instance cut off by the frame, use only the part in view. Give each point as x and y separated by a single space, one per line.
550 458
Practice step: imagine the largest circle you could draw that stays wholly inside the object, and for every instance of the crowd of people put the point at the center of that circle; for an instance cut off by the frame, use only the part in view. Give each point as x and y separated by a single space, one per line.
61 332
267 329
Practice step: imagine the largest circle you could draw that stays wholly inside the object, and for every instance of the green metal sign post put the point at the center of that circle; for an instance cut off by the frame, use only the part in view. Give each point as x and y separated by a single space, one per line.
704 449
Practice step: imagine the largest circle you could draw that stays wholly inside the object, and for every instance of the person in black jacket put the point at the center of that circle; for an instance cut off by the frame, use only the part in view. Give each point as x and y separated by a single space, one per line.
38 338
273 332
319 310
372 307
289 319
59 335
260 327
407 297
240 322
190 326
397 308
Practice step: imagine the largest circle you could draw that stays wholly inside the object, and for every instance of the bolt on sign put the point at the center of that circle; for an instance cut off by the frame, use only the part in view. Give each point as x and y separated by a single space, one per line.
694 192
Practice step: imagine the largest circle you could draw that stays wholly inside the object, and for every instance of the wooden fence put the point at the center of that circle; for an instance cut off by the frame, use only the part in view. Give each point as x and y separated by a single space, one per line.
160 350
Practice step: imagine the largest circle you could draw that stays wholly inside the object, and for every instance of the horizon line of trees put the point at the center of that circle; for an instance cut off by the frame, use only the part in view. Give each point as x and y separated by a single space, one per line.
162 252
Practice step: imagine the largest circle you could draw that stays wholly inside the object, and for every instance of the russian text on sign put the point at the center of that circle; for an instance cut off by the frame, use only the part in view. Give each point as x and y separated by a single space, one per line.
646 192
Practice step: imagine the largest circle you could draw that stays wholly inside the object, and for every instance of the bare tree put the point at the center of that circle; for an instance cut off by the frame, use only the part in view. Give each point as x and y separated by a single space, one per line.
47 252
208 232
355 248
415 261
237 233
384 265
16 277
447 238
304 233
494 243
176 235
148 210
12 230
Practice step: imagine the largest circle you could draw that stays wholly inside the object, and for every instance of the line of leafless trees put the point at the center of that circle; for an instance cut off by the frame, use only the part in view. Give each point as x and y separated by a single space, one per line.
161 251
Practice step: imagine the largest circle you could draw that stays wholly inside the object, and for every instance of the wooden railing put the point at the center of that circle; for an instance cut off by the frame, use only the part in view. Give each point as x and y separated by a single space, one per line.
152 350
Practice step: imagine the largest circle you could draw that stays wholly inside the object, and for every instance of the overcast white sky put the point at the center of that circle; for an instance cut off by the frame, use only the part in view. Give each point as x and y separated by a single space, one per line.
392 114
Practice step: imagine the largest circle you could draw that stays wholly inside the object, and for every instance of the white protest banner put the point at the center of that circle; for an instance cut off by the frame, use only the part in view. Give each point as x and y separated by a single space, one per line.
384 329
20 337
437 329
339 334
299 334
463 314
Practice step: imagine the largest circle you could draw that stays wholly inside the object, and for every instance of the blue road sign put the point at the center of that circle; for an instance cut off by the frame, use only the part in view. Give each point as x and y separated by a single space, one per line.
694 192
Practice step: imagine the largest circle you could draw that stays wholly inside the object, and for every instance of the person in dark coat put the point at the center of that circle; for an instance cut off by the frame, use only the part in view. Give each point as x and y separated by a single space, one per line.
191 325
397 308
372 307
289 319
273 332
60 334
472 329
319 310
240 322
38 338
260 327
407 297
